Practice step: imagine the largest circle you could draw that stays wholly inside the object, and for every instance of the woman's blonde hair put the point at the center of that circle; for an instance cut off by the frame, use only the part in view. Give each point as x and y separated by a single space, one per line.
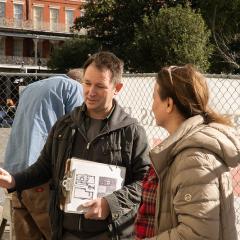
189 91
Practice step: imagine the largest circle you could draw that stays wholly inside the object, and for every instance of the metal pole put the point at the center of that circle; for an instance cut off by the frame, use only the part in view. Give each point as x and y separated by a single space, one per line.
35 50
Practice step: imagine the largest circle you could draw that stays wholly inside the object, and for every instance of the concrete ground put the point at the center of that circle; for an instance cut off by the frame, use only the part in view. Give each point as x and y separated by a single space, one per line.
4 134
7 235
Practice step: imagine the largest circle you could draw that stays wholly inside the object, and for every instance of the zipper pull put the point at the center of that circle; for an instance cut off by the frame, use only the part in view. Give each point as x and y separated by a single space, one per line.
88 145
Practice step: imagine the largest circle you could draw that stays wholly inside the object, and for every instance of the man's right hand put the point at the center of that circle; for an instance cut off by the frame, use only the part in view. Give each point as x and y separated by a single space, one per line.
6 179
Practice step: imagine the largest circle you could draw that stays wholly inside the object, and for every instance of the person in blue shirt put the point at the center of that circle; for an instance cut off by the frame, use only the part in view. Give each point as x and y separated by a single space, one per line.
40 105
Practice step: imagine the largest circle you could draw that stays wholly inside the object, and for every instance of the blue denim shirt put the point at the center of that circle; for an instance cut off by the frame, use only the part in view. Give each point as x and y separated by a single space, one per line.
40 105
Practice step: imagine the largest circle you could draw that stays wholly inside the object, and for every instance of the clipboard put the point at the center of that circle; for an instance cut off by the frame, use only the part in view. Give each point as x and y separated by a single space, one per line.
86 180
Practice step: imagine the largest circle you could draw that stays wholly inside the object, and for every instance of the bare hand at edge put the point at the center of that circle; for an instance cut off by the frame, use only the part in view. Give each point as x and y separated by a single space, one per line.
6 179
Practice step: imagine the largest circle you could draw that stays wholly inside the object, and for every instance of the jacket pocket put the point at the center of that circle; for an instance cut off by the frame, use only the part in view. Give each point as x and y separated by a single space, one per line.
37 198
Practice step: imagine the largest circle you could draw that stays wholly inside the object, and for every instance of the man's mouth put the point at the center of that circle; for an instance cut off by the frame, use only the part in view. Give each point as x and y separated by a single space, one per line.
91 100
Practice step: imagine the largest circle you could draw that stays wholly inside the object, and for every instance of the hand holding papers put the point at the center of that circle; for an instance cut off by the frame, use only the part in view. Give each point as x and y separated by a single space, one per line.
86 180
97 209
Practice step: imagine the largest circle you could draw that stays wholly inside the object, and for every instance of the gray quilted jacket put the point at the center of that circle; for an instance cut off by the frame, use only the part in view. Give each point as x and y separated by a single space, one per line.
195 195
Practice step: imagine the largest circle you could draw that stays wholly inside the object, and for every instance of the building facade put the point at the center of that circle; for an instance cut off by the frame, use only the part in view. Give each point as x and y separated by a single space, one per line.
30 29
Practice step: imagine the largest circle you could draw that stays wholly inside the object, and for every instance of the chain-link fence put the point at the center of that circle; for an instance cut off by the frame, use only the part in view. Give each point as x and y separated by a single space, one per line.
136 98
11 85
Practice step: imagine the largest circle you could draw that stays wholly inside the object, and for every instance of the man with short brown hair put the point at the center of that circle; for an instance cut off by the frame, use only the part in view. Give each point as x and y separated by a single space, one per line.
98 131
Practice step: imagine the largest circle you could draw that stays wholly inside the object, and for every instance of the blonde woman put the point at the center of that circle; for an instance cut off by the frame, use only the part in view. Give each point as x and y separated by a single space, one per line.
187 194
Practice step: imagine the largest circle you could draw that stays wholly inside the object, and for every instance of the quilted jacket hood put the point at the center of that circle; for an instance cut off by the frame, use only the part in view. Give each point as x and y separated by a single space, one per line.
193 133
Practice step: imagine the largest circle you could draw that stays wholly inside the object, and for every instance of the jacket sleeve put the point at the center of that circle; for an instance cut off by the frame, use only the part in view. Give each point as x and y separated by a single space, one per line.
196 197
40 171
121 202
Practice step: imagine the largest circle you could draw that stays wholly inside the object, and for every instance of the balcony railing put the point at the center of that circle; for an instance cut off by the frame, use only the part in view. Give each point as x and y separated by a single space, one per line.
31 25
18 60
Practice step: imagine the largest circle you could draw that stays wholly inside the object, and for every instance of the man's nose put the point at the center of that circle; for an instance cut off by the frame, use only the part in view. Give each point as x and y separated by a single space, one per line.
92 91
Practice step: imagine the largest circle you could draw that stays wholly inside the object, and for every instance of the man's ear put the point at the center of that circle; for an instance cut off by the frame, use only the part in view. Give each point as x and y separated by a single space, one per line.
118 87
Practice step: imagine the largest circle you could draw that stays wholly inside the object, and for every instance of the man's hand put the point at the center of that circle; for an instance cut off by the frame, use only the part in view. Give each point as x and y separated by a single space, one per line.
6 179
98 209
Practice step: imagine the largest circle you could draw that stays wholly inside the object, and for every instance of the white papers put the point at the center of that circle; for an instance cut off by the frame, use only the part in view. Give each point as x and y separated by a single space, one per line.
87 180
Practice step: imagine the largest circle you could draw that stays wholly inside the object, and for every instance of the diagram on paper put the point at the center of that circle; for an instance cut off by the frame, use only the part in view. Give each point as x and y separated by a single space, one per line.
84 186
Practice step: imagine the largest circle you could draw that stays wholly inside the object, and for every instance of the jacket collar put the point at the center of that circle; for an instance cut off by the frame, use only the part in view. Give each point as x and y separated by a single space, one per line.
163 154
117 118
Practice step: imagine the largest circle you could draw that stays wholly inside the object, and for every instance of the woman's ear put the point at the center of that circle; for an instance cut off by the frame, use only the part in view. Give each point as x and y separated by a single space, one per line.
170 105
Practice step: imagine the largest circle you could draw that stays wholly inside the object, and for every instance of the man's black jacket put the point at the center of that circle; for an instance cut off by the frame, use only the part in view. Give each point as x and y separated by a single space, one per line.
122 141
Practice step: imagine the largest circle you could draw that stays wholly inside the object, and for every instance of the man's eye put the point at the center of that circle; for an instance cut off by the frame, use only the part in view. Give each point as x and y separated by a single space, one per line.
87 83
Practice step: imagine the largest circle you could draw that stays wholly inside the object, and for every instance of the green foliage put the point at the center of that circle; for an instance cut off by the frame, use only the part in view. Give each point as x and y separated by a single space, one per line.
112 22
175 36
72 54
134 31
227 14
223 18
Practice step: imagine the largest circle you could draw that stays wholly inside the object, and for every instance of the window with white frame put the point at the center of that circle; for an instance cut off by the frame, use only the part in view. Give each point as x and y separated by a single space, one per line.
38 17
82 12
2 9
54 15
2 45
18 47
18 14
69 19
